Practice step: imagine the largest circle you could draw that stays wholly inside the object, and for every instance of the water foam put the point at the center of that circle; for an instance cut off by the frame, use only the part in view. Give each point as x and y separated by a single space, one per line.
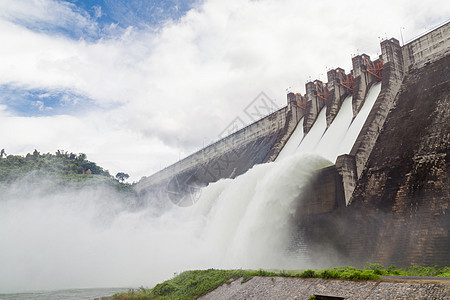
91 238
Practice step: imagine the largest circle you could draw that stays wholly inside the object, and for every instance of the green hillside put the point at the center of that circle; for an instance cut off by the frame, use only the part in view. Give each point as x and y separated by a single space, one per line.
59 170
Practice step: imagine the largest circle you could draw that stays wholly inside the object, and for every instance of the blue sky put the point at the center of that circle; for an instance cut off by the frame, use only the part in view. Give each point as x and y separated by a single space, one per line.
98 15
126 82
140 13
92 20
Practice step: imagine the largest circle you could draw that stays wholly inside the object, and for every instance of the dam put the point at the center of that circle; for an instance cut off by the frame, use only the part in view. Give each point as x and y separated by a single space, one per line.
382 195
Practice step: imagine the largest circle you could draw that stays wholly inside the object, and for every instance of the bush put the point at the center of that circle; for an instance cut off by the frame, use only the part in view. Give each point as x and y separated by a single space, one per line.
164 289
409 271
308 274
329 274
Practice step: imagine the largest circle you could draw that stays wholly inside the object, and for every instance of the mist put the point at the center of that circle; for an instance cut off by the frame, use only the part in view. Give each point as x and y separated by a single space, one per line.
95 237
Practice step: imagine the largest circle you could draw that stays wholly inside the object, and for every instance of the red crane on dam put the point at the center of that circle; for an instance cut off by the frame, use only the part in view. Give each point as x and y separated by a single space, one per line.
376 69
301 101
346 81
322 90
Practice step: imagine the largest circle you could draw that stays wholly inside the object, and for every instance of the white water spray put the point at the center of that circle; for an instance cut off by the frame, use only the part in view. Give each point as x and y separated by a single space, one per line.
91 238
294 140
339 138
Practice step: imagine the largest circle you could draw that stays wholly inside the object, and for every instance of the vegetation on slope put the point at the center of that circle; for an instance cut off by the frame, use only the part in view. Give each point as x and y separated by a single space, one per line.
56 171
194 284
409 271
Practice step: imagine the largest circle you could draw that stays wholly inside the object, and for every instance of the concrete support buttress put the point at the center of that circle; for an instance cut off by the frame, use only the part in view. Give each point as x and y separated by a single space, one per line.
336 94
362 82
390 86
351 166
346 167
293 107
294 113
313 105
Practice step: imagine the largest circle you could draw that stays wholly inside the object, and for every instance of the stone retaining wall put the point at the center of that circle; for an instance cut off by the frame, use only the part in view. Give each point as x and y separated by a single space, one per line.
297 288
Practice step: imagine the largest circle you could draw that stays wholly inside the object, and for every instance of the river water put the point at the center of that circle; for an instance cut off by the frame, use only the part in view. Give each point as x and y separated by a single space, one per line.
73 294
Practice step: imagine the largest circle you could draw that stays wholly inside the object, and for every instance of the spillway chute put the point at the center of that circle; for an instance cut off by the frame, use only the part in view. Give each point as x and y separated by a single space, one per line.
339 137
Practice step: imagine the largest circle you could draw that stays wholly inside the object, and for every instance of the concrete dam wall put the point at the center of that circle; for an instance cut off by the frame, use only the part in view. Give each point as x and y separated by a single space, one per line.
229 157
262 141
396 178
386 200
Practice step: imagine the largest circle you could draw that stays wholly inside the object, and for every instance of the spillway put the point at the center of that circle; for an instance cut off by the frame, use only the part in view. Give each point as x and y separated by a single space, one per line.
335 135
247 220
294 140
311 140
339 138
355 128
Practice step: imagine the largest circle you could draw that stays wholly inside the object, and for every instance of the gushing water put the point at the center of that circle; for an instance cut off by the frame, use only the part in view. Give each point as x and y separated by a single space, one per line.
339 138
93 238
312 139
294 140
335 135
357 124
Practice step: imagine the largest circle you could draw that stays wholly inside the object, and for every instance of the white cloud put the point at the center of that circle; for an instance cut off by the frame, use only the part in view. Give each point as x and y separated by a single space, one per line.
50 14
41 106
97 11
164 93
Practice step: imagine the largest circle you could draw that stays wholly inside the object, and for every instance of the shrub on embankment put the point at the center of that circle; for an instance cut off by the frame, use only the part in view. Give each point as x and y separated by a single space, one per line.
433 271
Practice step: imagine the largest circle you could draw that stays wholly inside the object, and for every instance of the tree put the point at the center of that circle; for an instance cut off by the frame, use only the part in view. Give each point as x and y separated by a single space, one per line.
122 176
2 153
81 157
36 153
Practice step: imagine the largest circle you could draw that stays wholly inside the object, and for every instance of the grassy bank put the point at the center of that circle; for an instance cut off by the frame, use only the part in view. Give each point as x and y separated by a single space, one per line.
194 284
409 271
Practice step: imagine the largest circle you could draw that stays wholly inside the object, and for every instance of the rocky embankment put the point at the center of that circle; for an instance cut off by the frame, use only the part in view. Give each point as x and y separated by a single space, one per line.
297 288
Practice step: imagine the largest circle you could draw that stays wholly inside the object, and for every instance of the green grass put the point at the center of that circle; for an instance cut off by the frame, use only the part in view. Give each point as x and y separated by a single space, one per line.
194 284
189 284
433 271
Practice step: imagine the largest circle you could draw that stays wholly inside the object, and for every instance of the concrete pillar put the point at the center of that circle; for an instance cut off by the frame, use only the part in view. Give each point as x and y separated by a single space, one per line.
362 82
390 86
293 114
391 52
293 106
320 87
346 167
336 95
313 106
351 166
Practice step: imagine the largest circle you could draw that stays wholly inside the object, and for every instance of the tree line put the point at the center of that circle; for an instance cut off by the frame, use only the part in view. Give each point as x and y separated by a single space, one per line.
62 164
